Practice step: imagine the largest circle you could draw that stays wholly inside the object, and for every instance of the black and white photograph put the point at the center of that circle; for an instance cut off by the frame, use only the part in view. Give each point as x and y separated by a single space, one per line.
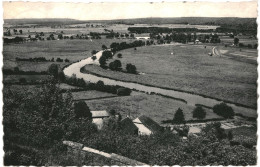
129 83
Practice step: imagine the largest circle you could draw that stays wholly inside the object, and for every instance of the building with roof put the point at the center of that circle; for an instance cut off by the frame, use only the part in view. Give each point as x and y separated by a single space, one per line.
98 117
128 126
146 126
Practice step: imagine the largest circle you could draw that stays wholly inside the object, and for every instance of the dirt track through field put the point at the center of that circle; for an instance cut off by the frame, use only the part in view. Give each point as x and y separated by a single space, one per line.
191 99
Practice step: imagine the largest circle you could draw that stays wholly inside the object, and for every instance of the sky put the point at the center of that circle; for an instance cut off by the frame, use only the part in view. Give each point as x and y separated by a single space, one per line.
108 11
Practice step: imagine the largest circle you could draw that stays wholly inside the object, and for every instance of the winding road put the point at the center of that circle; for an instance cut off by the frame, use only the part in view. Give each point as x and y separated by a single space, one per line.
191 99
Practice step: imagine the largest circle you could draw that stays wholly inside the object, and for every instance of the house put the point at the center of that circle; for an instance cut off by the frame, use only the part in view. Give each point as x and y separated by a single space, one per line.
128 126
98 117
146 126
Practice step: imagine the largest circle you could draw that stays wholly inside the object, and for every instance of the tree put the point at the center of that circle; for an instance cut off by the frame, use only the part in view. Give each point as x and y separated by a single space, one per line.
53 70
16 69
22 81
119 55
131 68
93 58
230 135
102 61
60 36
179 116
117 64
100 85
82 110
21 31
104 47
93 52
223 110
199 113
236 41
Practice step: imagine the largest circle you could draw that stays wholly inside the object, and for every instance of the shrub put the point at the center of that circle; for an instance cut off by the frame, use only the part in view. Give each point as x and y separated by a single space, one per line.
223 110
93 52
131 68
255 46
234 143
119 55
123 92
93 58
230 135
67 60
53 70
179 116
250 46
104 47
59 60
241 45
22 81
199 113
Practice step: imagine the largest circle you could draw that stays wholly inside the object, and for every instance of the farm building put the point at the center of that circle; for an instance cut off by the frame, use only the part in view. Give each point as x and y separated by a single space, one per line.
128 126
146 126
98 116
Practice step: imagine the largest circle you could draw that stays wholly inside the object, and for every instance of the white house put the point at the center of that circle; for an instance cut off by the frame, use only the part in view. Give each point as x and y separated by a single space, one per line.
146 126
98 116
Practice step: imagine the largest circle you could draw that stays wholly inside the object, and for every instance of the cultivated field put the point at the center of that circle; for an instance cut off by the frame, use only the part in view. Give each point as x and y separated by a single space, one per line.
189 68
157 107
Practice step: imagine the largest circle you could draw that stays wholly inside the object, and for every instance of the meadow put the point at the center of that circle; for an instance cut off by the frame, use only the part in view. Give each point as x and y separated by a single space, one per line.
73 50
156 107
191 69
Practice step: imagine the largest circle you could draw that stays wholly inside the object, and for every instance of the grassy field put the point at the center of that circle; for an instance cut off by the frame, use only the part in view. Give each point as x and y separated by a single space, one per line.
73 50
242 39
189 69
29 78
156 107
91 94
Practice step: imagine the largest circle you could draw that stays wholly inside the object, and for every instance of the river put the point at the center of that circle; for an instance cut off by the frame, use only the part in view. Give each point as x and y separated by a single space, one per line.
191 99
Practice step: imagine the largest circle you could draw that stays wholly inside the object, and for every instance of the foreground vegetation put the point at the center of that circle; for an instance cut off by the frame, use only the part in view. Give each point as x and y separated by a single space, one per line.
35 127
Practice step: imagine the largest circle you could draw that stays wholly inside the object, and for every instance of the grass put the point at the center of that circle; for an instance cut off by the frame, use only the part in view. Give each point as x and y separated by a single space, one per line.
189 69
73 50
242 39
91 94
29 78
156 107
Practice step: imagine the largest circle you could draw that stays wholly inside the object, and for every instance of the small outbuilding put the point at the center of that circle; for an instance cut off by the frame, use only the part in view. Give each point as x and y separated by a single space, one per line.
146 126
98 117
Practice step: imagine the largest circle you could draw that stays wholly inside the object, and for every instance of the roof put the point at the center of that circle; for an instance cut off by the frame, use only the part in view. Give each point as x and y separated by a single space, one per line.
127 124
99 114
149 123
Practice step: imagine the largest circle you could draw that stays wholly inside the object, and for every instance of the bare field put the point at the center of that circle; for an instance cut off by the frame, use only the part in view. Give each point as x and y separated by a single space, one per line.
157 107
189 69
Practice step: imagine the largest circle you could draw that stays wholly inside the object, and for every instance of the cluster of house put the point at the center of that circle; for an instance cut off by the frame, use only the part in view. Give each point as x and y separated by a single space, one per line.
142 125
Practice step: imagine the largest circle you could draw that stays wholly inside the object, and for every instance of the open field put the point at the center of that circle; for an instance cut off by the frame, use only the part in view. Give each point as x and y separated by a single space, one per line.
157 107
244 40
91 94
73 50
29 78
189 69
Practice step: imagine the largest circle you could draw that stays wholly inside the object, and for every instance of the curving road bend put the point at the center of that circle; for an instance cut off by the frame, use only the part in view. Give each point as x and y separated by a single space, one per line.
191 99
